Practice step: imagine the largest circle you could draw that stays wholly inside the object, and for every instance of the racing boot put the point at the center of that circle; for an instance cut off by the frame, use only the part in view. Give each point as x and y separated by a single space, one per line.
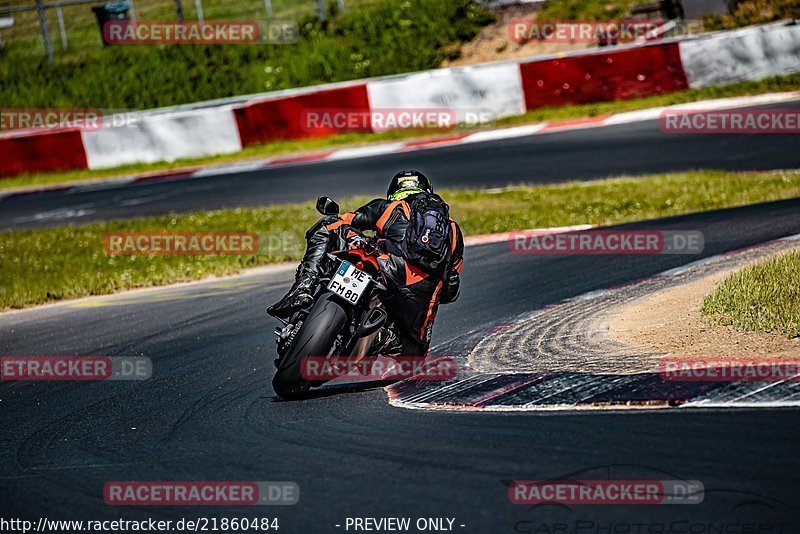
386 343
299 296
302 291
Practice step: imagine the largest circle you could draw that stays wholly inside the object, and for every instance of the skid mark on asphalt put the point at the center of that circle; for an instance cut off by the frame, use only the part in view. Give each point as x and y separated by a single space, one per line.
562 358
61 214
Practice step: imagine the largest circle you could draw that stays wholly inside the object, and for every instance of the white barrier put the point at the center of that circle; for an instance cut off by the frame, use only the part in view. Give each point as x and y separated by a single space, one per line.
487 91
495 89
163 137
748 54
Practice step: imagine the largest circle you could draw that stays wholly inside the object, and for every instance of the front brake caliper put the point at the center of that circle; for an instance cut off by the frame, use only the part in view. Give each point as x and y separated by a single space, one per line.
285 336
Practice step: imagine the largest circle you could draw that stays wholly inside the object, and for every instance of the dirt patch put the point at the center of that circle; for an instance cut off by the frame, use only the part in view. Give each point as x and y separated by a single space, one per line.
493 42
671 322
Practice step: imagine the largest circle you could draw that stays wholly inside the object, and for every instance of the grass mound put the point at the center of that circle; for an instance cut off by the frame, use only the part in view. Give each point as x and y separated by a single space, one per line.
764 297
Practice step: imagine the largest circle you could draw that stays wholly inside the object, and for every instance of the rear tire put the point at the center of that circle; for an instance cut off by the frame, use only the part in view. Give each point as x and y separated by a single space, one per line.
314 338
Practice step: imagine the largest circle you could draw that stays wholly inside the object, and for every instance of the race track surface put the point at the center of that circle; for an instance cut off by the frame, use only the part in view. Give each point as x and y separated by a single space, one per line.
586 154
209 412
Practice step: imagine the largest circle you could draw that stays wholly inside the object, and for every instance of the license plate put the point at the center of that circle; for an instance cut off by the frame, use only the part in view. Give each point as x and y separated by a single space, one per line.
349 282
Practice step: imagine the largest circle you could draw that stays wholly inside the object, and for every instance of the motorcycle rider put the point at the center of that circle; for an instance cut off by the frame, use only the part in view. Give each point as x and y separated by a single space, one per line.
410 223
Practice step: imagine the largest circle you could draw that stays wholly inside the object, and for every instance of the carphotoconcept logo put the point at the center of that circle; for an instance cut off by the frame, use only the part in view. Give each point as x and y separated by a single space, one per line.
181 243
200 493
730 369
731 121
607 242
84 368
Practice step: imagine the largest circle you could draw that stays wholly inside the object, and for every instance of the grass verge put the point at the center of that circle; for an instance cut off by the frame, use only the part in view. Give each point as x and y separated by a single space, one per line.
764 297
38 266
768 85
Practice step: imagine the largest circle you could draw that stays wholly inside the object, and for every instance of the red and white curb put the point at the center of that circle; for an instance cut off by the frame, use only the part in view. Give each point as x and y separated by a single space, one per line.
476 390
380 149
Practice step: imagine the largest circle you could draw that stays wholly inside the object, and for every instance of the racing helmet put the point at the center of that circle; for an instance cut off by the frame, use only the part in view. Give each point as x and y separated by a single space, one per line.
407 183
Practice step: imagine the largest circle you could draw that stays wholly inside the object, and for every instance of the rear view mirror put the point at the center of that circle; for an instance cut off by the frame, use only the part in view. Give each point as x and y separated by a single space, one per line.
326 206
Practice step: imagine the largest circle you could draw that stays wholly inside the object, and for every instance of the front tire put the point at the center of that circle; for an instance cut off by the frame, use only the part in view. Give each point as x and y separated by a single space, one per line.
314 338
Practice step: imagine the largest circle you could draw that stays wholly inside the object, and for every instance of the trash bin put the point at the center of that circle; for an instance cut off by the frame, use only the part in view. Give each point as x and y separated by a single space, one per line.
111 11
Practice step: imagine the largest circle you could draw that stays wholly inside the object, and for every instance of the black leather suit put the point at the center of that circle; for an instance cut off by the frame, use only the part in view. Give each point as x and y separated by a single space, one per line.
415 295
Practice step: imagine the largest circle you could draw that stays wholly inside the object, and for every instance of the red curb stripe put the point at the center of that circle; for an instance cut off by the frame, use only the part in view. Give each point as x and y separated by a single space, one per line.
436 141
177 175
303 158
575 123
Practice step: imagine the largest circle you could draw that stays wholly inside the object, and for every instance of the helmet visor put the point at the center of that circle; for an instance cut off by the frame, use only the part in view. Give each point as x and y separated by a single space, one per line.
404 193
406 186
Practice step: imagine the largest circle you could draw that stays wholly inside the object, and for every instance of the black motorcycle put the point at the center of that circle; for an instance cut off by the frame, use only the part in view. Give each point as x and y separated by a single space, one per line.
343 321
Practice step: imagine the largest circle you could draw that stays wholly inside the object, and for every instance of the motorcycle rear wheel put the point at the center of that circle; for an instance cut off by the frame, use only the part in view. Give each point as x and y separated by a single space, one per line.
315 339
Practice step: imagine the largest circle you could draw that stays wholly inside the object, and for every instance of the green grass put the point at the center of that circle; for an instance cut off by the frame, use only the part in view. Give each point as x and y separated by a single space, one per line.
764 297
586 9
83 34
769 85
748 12
38 266
370 38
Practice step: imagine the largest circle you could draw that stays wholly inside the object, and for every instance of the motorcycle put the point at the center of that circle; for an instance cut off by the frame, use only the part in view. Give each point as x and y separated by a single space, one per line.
343 320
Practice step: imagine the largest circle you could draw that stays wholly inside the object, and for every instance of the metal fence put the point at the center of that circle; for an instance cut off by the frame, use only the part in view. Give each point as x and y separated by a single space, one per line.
67 26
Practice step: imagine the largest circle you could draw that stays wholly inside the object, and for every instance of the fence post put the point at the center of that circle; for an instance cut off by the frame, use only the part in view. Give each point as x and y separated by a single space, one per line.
60 15
179 11
48 46
321 9
268 7
198 4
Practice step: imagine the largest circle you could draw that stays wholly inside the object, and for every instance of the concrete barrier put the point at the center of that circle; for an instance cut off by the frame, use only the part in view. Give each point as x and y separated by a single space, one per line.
603 76
495 89
283 118
41 151
748 54
163 137
498 89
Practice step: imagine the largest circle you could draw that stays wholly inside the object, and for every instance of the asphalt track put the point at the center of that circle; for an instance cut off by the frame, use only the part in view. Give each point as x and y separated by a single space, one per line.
209 414
584 154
